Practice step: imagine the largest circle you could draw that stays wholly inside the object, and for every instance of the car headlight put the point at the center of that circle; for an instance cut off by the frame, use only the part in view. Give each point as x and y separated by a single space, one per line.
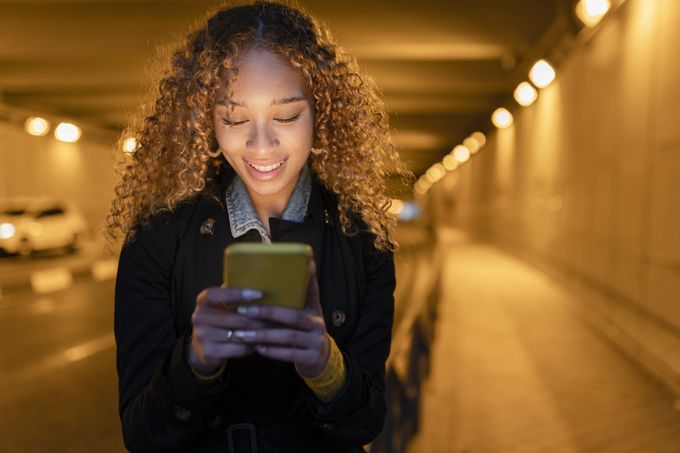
7 230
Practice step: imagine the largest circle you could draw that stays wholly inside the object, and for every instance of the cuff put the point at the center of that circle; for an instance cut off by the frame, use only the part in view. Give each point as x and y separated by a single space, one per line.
207 380
330 381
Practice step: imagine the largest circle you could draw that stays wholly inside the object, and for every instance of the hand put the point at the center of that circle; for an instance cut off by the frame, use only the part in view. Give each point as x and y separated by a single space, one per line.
301 337
214 316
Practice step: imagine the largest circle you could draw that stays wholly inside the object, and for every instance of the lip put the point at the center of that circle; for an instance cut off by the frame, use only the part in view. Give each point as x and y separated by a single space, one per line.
265 175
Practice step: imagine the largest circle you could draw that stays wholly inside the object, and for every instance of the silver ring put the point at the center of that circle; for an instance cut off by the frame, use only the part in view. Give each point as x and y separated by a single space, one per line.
230 333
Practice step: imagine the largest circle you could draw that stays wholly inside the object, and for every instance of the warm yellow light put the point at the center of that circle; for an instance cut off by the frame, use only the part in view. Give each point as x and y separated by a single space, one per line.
525 94
129 145
7 230
422 185
501 118
421 189
450 162
461 153
37 126
67 132
542 74
424 182
479 138
396 207
435 172
471 144
591 12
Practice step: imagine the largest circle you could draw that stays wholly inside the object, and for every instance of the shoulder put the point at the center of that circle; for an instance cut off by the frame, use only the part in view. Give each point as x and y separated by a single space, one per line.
160 234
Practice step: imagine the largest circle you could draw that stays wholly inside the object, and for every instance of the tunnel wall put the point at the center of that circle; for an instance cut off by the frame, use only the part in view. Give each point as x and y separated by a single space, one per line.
81 172
586 183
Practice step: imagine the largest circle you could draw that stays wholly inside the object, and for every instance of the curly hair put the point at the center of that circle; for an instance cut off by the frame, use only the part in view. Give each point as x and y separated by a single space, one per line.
172 162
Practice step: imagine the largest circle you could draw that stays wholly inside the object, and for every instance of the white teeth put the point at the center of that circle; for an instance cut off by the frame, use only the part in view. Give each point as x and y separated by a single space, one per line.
266 168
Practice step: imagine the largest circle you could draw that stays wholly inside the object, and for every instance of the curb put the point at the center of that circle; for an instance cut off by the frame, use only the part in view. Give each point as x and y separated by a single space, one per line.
43 281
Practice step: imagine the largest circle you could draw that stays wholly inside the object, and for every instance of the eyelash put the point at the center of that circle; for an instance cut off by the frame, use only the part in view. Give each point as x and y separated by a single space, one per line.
282 120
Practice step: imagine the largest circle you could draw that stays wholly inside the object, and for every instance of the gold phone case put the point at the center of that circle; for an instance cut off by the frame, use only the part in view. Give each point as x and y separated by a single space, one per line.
279 270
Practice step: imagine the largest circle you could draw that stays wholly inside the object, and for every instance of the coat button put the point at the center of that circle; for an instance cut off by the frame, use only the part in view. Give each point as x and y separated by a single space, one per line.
326 217
208 227
182 413
338 318
327 426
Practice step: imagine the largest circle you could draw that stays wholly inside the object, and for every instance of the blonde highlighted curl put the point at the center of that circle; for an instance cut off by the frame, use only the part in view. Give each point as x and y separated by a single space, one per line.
172 162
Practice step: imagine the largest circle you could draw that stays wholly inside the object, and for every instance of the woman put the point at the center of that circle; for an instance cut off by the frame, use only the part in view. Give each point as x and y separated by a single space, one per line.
262 131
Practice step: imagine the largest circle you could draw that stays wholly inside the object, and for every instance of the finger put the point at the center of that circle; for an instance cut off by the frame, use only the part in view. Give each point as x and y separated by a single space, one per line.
219 351
217 295
228 320
286 354
284 337
289 316
217 335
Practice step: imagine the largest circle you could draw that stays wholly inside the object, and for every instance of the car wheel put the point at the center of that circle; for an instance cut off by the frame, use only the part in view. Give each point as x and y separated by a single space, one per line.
25 248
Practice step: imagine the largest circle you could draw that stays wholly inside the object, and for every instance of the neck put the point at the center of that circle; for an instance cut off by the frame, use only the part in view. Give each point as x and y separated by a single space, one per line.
267 206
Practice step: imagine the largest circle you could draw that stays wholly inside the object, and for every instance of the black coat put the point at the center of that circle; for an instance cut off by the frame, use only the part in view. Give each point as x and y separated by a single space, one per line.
164 408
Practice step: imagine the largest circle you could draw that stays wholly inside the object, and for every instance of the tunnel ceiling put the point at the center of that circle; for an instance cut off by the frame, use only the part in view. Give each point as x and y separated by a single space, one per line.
442 66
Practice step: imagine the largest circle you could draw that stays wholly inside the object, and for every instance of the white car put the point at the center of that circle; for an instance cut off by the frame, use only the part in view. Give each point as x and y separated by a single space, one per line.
30 224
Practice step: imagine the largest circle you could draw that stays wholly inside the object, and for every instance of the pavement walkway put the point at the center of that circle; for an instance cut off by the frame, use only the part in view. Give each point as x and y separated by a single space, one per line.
515 369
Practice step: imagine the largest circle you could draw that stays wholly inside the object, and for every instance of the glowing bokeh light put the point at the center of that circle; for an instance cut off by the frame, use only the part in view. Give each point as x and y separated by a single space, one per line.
525 94
129 145
542 74
502 118
461 153
37 126
479 137
591 12
67 132
450 162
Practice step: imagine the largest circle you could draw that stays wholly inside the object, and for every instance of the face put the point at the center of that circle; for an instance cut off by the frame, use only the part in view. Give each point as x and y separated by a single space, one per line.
265 129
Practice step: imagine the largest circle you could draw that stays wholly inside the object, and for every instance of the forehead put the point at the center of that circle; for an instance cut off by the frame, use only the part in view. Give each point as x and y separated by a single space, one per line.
260 73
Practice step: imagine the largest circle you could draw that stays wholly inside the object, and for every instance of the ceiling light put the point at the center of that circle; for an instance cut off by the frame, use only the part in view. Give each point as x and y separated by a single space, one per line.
436 172
501 118
542 74
450 162
591 12
67 132
129 145
471 144
37 126
479 138
525 94
396 207
461 153
424 182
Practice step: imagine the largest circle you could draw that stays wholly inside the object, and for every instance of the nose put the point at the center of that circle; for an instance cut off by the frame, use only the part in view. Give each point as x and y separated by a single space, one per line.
262 138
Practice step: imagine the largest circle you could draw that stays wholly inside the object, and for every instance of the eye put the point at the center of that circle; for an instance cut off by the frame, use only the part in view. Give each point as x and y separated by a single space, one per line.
289 120
232 123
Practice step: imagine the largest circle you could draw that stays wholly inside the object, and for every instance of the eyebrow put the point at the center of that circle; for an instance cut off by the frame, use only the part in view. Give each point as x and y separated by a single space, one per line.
281 101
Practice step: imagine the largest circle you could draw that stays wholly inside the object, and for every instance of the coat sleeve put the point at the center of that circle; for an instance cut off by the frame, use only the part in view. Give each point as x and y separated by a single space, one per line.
162 406
355 416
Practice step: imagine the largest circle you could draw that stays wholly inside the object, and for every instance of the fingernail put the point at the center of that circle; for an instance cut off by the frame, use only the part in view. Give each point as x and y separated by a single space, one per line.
245 334
251 294
247 310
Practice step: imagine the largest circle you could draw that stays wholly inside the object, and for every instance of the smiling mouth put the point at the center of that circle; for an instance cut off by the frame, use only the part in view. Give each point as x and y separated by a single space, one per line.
266 168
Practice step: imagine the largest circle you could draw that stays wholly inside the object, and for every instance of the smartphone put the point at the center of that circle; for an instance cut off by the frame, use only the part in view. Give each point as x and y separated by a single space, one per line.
280 270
